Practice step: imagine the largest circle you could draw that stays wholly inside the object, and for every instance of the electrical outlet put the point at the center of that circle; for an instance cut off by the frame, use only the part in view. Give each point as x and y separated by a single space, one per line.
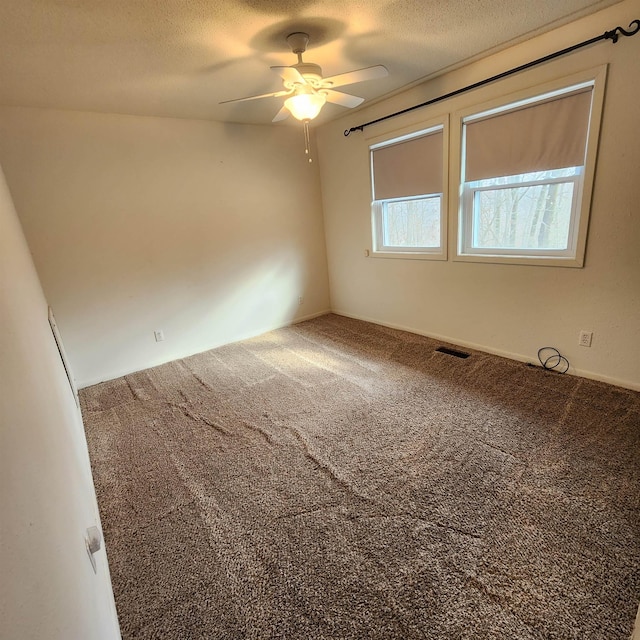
158 334
300 300
585 338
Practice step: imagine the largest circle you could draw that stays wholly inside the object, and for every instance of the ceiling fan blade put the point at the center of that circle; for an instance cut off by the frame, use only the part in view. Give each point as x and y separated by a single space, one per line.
343 99
359 75
290 74
281 115
276 94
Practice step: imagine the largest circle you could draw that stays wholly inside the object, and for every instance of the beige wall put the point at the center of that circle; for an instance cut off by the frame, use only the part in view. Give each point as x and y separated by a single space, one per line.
507 309
47 586
209 232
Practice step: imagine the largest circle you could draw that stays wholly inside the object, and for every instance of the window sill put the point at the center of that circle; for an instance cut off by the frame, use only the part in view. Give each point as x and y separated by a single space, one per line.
538 261
408 255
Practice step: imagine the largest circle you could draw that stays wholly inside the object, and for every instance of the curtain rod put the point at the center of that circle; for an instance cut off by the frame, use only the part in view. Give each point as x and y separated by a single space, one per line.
634 27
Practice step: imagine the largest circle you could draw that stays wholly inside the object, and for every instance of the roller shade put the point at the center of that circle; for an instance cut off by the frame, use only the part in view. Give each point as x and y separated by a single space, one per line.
409 168
540 137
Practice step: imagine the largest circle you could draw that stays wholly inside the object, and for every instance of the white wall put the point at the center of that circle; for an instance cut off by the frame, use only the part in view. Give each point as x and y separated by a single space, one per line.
47 586
207 231
507 309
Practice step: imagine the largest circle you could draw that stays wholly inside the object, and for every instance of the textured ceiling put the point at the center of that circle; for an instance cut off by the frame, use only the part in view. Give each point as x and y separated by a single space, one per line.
180 58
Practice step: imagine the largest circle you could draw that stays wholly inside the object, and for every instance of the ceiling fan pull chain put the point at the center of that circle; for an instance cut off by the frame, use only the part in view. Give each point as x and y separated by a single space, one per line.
307 139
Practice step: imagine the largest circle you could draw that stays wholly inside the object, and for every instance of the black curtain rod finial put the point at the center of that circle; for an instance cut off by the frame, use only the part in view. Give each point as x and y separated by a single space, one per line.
634 27
348 131
613 35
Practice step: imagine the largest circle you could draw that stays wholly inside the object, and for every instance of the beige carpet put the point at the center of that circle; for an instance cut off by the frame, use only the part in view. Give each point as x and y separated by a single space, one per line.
341 480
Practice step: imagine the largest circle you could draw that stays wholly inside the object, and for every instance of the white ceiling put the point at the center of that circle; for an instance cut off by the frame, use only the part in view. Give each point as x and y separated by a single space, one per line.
180 58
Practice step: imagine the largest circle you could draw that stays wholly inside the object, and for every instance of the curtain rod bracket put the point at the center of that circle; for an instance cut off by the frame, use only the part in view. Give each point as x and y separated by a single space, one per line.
613 35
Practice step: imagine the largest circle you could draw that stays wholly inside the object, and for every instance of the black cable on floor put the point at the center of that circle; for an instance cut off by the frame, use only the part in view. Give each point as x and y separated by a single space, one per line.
553 361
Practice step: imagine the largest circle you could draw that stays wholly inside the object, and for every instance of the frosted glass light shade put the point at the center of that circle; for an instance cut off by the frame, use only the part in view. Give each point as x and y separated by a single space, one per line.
305 106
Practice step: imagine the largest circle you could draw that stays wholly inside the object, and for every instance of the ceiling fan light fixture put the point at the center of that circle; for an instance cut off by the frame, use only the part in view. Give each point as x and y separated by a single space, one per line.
305 106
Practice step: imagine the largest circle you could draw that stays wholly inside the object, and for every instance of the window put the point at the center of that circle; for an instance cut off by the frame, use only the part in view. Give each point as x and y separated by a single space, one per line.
408 208
526 172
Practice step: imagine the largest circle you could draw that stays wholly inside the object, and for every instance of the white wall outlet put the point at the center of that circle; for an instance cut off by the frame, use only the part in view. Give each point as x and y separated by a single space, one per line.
158 334
585 338
300 300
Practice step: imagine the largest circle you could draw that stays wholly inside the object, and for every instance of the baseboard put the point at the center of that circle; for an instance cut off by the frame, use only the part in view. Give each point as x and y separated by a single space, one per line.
636 627
580 373
311 316
89 383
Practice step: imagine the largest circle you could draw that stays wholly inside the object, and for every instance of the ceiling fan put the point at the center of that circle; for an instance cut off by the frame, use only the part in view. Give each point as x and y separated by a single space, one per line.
307 91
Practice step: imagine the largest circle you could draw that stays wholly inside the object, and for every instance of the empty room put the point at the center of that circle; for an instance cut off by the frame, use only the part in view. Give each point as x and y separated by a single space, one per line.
319 320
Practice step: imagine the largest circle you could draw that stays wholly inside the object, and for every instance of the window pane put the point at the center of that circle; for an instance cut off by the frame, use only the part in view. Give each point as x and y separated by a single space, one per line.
535 176
528 217
412 223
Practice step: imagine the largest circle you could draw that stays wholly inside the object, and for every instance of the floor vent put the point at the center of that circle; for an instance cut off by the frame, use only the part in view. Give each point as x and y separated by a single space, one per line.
453 352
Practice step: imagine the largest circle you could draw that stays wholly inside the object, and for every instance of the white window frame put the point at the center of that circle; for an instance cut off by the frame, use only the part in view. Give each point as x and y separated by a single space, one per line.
379 208
461 220
379 250
469 193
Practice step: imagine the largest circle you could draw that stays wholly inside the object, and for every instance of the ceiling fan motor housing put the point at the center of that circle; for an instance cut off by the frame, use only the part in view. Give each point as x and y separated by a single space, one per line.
309 71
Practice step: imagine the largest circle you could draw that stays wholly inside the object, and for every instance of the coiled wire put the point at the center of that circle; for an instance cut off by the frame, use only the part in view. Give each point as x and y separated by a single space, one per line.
551 359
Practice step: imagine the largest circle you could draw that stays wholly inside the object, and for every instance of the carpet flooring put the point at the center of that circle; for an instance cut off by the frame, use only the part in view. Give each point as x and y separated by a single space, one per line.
337 479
